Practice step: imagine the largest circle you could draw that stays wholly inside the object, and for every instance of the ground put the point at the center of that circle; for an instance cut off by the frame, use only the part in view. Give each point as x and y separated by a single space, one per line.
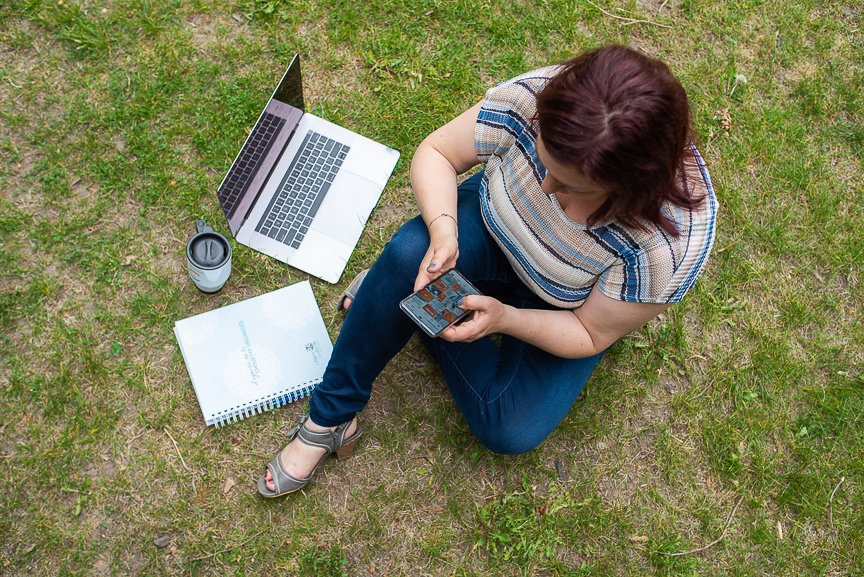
735 415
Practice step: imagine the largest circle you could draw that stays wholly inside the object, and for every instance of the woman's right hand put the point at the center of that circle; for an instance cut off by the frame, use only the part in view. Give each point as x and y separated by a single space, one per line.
441 257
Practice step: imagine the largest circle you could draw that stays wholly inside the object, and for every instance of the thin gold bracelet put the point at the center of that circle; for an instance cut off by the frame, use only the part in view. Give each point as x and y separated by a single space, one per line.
439 216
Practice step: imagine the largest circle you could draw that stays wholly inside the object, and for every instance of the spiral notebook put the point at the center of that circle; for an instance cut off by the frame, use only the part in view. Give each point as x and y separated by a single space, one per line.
255 355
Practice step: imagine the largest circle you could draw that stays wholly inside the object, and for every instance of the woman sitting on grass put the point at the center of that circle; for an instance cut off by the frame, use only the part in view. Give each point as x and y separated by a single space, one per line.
594 213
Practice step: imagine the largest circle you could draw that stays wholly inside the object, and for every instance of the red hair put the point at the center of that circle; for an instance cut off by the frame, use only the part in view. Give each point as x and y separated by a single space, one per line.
622 119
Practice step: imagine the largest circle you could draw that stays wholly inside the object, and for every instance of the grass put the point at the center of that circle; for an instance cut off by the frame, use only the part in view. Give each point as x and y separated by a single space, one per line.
118 120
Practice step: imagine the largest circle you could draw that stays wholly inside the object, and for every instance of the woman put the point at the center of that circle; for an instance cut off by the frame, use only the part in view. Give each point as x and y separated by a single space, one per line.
594 213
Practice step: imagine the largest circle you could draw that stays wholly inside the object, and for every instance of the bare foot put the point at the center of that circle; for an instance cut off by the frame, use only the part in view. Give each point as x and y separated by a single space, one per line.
298 459
346 304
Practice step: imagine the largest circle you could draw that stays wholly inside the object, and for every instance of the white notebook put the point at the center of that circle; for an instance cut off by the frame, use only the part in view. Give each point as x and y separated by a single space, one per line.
256 354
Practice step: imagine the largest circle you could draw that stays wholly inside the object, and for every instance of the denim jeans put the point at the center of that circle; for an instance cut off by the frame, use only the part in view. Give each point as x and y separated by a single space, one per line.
512 397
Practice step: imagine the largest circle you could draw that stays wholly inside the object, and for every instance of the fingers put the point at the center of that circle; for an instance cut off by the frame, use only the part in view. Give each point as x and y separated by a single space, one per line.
475 303
434 264
423 278
480 325
442 259
454 334
466 332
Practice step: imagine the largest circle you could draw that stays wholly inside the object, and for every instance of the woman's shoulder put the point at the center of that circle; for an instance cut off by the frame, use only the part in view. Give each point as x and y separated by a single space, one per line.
697 182
533 77
507 112
698 222
696 226
523 87
653 265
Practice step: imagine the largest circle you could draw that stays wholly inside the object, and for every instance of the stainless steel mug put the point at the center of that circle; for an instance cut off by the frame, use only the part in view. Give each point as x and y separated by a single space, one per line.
208 258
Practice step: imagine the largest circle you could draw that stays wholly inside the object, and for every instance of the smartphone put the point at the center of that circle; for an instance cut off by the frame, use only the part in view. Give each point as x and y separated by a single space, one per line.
434 307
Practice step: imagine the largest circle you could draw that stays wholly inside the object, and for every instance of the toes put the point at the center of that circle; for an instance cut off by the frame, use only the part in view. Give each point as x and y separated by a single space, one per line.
346 304
268 479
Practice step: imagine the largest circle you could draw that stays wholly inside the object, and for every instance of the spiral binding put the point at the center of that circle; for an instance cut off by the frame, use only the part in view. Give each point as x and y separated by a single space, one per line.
258 406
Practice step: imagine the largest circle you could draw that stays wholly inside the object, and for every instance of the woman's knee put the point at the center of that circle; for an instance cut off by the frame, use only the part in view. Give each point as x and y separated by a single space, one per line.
509 440
406 249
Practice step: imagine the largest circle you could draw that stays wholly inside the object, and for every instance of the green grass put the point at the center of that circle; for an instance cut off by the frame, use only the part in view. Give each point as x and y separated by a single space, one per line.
117 122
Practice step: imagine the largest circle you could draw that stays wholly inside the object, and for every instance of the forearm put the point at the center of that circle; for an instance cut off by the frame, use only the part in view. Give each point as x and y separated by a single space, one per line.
559 332
433 179
582 332
440 158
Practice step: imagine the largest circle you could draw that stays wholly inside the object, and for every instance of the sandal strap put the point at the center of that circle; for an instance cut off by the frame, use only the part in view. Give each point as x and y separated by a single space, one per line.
329 440
280 476
351 291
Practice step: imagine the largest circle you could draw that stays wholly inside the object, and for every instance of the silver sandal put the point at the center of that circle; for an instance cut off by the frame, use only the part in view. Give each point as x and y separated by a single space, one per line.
351 291
332 441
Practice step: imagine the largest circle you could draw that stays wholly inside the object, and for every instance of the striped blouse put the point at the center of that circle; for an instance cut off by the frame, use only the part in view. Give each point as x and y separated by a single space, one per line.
559 259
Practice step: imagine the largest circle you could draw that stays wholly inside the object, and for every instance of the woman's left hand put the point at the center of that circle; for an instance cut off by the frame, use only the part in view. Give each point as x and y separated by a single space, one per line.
488 318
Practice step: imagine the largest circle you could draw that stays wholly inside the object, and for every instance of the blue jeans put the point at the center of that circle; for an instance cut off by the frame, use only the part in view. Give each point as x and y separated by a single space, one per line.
512 397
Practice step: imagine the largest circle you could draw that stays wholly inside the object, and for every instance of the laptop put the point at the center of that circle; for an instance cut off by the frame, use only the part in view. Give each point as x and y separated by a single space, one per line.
302 188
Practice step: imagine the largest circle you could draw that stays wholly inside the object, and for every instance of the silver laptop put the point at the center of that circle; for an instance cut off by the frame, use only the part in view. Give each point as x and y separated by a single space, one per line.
302 188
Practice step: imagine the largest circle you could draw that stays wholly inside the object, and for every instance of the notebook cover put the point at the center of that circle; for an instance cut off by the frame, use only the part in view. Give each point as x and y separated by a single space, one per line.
256 354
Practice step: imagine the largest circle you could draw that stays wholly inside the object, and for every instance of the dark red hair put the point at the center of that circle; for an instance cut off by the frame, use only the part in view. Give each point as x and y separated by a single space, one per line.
622 119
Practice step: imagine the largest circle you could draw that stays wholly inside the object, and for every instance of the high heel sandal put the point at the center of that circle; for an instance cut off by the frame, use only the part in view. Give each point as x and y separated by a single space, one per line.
332 441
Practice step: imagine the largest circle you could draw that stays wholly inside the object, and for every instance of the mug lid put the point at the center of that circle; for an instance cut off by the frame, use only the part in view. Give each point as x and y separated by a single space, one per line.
207 250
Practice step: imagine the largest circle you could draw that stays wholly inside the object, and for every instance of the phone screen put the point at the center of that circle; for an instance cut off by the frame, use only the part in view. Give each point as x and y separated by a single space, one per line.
434 306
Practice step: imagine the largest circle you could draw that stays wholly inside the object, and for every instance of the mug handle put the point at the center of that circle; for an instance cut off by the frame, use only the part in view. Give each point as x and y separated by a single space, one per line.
202 226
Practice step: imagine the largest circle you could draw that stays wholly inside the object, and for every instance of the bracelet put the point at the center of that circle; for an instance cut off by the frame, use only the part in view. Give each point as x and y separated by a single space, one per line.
439 216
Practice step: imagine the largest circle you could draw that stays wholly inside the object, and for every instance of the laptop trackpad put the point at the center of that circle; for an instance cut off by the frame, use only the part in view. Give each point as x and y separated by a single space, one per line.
346 208
322 256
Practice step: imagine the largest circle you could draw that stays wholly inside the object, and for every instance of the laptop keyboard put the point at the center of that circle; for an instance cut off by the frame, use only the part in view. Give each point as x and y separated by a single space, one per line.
313 169
254 151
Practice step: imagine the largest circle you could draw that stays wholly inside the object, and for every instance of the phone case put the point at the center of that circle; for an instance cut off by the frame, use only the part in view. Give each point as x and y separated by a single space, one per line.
434 307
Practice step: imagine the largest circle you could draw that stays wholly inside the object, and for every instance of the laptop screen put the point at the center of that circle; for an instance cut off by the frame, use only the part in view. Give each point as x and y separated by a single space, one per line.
262 149
290 89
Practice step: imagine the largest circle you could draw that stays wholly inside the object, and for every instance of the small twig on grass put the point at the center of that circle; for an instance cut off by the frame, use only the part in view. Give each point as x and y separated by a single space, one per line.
629 20
417 359
229 548
471 444
178 450
447 562
702 392
830 506
332 320
712 543
728 246
835 489
662 6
